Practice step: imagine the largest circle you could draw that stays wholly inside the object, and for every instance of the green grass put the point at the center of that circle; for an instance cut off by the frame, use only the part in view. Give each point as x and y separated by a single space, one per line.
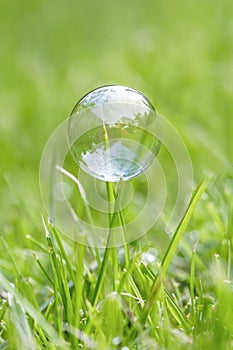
57 294
156 305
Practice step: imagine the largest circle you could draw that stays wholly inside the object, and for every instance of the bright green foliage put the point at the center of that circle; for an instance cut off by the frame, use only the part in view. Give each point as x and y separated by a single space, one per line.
154 305
179 53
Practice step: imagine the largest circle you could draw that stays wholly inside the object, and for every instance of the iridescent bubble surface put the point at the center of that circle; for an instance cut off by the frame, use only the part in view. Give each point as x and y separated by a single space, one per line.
112 132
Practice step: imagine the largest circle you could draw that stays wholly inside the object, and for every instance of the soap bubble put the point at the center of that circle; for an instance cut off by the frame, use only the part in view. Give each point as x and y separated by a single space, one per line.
111 133
114 132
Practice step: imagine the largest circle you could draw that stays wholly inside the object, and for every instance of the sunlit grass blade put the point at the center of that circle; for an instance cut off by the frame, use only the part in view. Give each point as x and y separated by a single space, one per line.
174 243
60 281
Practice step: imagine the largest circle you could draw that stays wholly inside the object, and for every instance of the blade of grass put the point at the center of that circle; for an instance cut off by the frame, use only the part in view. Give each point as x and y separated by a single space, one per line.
3 307
103 268
126 246
111 201
183 224
128 270
87 209
8 250
122 222
192 283
32 312
61 278
136 290
53 260
38 244
106 253
20 323
43 269
49 309
176 311
41 335
67 298
229 243
78 283
174 243
62 250
188 250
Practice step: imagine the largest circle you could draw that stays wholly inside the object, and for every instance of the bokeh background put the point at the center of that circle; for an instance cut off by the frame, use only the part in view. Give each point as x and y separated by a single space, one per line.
178 53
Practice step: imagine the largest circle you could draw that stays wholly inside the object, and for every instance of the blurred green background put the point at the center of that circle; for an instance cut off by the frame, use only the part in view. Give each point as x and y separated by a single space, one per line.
178 53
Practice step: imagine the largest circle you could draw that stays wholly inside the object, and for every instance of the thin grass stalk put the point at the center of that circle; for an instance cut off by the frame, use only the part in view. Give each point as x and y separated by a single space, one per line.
63 252
192 283
106 255
111 200
43 270
78 283
57 314
229 243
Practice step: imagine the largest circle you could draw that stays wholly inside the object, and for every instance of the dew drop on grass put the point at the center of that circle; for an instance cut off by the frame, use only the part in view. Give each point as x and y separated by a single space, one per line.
112 132
149 256
117 341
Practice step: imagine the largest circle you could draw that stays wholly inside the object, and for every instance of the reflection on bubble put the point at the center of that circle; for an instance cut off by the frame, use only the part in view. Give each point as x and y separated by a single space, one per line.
119 140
